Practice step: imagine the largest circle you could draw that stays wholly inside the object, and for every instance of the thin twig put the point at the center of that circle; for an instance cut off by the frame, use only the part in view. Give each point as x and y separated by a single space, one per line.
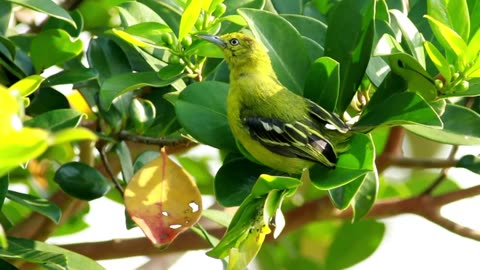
393 148
106 164
125 135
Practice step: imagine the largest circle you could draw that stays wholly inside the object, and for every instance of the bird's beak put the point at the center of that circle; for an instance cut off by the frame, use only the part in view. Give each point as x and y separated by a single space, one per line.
213 39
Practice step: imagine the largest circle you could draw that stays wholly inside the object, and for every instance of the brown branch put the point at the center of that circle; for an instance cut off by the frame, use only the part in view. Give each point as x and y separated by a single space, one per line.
422 163
108 168
393 149
321 209
443 174
127 136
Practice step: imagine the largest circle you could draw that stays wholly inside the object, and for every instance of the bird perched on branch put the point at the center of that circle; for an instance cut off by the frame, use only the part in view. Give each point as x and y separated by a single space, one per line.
280 129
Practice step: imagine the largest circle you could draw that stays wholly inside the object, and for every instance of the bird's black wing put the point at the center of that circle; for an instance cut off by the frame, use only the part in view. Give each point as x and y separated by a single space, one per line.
297 139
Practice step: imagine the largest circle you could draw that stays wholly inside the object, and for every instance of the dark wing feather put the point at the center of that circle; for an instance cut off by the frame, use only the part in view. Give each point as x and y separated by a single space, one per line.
324 117
297 139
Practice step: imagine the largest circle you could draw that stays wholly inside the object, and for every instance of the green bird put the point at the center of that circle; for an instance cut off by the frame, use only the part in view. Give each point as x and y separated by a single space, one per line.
280 129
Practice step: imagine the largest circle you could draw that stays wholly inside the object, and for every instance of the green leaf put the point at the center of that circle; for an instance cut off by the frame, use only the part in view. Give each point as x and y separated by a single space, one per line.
438 60
81 181
141 115
323 82
189 17
27 86
234 5
365 197
40 205
470 162
47 99
235 179
464 132
59 45
221 217
55 23
122 83
107 58
56 120
355 162
289 67
48 7
400 109
308 27
5 15
453 14
123 153
171 71
46 254
50 260
411 35
343 195
291 7
168 11
205 103
144 158
344 252
72 134
417 78
135 13
72 76
448 38
352 19
266 183
22 146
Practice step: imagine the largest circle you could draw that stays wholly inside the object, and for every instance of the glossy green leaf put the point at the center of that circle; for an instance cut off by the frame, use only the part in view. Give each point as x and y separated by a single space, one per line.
289 7
473 47
234 5
81 181
107 58
353 19
123 153
48 7
40 205
55 23
323 82
5 15
168 11
144 158
58 43
4 182
217 216
365 197
266 183
447 37
135 13
417 78
438 60
72 76
453 14
153 32
470 162
27 86
189 17
235 179
171 71
308 27
28 253
23 145
122 83
72 134
355 162
46 99
50 255
290 68
205 103
343 195
463 132
411 35
56 120
345 252
401 109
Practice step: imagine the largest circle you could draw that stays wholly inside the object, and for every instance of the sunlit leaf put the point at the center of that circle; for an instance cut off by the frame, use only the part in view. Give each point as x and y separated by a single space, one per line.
27 85
163 200
40 205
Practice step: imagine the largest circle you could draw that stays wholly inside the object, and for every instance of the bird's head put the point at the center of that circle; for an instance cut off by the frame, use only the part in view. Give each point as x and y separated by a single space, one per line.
239 49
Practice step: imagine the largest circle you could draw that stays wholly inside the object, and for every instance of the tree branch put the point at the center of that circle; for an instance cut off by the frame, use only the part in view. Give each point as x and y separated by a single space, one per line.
393 149
127 136
322 209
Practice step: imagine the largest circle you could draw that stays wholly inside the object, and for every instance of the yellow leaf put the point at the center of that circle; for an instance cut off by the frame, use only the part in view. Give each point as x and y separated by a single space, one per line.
78 102
163 200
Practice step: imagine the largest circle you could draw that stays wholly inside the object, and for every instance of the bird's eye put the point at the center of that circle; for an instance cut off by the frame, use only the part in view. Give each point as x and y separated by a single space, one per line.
234 42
